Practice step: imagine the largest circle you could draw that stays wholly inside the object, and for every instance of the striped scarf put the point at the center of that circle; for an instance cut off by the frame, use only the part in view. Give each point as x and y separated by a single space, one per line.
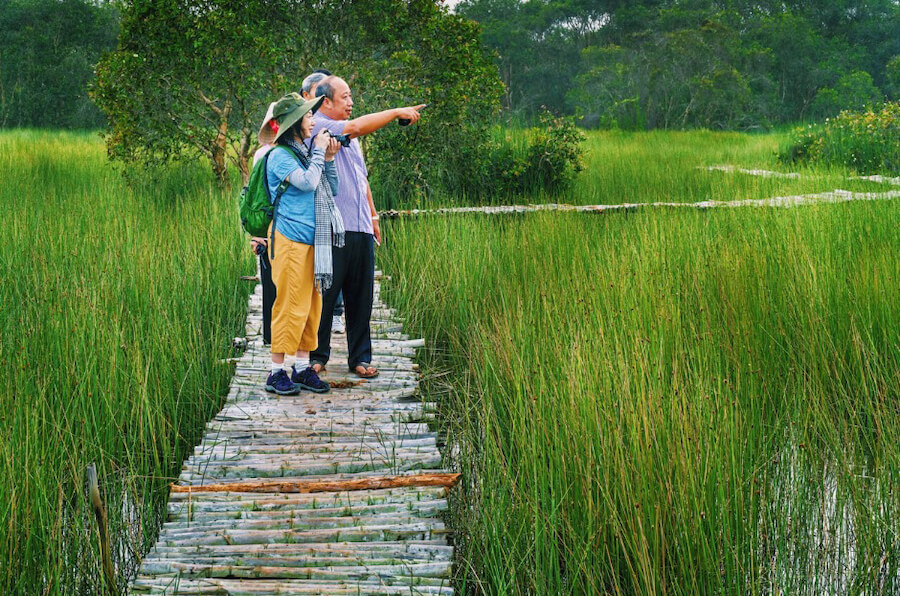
329 225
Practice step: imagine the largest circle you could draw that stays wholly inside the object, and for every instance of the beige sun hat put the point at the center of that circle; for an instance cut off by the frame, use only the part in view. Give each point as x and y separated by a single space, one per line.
266 136
285 113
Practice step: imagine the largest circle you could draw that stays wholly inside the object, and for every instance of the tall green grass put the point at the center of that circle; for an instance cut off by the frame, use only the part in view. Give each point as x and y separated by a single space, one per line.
656 166
667 402
865 141
662 166
117 304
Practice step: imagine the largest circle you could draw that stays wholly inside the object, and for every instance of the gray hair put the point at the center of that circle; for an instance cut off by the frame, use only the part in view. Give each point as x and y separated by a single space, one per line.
311 80
326 88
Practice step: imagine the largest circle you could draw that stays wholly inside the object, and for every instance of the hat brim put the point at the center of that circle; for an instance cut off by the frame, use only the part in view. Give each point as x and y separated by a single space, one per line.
293 117
266 136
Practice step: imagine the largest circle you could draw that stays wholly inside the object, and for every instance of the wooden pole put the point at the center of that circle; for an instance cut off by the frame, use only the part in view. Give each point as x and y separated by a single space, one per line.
317 486
103 522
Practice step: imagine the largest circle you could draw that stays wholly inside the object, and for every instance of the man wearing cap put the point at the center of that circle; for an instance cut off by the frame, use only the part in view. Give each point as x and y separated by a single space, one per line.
354 263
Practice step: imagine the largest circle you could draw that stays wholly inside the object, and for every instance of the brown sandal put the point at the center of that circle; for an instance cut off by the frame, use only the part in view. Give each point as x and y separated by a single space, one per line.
365 374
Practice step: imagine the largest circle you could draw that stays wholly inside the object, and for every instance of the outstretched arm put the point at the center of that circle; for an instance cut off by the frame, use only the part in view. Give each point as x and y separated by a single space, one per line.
372 122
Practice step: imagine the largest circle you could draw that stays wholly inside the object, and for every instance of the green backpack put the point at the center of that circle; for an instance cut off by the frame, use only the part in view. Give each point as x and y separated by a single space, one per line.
256 207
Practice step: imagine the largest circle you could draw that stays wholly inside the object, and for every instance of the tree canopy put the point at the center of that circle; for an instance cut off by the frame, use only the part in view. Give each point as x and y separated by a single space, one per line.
196 76
47 54
680 63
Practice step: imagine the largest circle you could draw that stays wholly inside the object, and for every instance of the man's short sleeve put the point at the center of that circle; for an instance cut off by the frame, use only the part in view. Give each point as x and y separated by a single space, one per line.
335 126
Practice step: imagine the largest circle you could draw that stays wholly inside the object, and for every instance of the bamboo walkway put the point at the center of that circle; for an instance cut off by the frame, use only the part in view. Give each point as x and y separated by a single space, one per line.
834 196
255 519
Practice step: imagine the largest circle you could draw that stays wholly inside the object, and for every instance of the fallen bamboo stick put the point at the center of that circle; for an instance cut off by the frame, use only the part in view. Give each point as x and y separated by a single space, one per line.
103 525
318 486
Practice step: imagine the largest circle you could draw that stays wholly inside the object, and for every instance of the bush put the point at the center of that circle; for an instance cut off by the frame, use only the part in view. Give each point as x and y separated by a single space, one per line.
853 91
544 158
864 141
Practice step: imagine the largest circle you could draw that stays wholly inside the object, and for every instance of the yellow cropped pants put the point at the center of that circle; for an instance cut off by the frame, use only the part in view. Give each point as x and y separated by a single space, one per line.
298 306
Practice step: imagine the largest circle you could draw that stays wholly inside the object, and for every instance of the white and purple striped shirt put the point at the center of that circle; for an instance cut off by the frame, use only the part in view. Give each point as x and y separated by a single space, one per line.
351 200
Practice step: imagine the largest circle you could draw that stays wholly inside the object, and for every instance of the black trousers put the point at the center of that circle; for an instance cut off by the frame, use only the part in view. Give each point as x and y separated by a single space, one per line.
268 295
354 273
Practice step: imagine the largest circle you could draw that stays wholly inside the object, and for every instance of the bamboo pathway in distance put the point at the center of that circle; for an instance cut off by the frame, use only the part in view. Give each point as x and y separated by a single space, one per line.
250 524
834 196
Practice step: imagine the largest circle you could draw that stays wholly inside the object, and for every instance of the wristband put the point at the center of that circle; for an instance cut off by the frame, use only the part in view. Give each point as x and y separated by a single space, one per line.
375 217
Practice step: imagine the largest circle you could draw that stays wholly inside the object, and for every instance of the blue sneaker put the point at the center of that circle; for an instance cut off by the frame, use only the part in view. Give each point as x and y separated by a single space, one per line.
280 383
309 380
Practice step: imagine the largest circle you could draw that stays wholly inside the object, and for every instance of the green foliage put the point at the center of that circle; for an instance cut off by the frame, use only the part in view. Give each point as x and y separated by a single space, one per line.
892 74
687 77
538 43
47 54
517 162
191 77
544 159
672 402
119 303
680 63
437 58
863 141
853 91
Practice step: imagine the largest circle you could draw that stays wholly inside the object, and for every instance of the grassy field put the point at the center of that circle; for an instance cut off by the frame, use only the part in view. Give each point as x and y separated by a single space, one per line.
669 166
667 402
656 402
117 305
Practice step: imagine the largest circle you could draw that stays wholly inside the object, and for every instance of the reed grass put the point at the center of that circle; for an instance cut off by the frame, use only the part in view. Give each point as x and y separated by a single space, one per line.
665 166
665 402
118 303
661 402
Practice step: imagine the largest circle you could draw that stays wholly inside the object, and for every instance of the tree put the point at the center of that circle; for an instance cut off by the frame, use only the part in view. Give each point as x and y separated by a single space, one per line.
47 54
892 75
195 76
538 44
688 76
853 91
780 53
190 77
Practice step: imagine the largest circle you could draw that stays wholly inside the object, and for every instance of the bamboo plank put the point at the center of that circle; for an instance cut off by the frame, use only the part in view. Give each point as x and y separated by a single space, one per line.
309 486
267 560
431 549
421 530
190 524
414 573
237 459
314 500
197 514
216 448
409 430
226 471
256 588
312 494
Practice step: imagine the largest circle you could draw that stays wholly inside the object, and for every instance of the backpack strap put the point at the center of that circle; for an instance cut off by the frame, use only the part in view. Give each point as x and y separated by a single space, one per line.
281 188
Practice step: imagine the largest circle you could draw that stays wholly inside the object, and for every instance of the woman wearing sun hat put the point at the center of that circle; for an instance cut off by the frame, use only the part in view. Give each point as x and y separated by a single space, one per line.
302 183
265 137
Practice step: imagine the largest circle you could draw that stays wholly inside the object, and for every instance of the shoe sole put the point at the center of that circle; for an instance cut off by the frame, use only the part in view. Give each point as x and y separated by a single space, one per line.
294 391
313 389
